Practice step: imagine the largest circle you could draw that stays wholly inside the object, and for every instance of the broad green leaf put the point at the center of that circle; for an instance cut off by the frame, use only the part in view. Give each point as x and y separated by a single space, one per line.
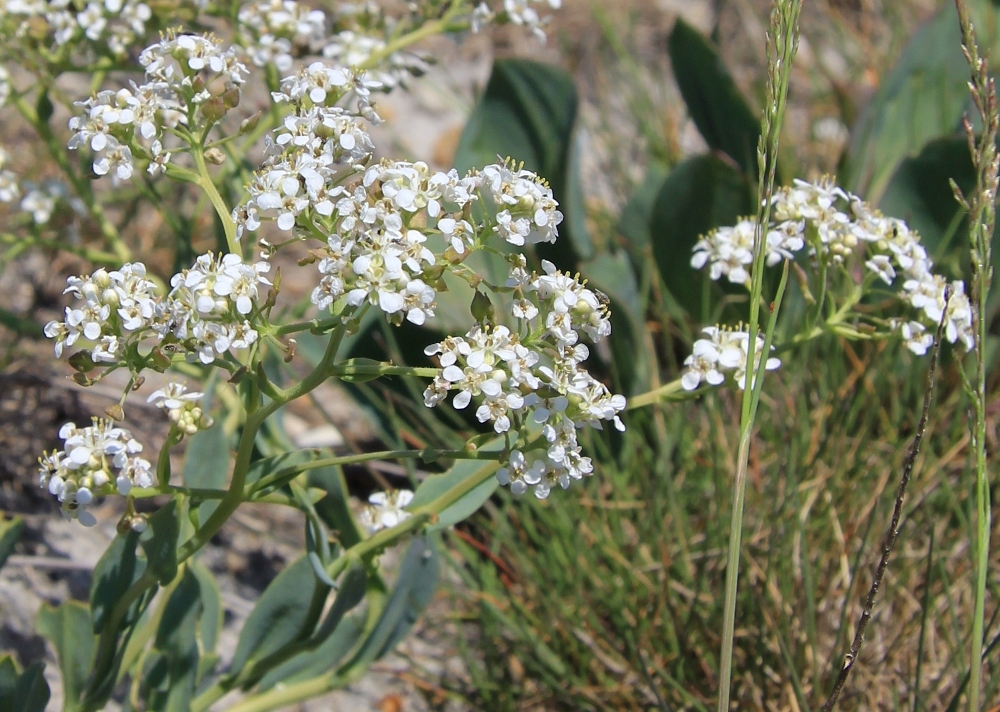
283 614
701 193
333 639
714 102
920 194
8 682
114 573
176 641
32 693
634 221
527 112
206 464
334 509
418 579
321 660
159 543
10 534
68 629
211 605
436 485
613 274
22 692
922 98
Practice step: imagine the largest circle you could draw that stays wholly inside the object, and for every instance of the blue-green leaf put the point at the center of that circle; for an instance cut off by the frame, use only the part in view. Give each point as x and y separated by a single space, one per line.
32 694
922 98
22 692
114 573
159 543
211 604
206 464
418 579
334 509
333 639
176 641
436 485
68 629
283 614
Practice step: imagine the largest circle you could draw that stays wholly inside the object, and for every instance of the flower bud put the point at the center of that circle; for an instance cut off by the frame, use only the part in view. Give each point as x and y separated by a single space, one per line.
249 124
213 109
215 156
231 97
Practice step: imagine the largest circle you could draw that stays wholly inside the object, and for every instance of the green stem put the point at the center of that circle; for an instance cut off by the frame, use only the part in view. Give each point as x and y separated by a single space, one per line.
309 325
348 370
784 34
222 210
673 390
427 454
420 517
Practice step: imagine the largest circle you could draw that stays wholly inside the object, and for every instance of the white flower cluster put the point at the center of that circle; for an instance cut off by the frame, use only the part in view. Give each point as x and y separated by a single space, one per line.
276 31
305 161
321 84
723 353
183 73
9 188
39 199
729 250
273 30
95 460
385 510
527 212
183 407
4 85
206 313
810 214
522 12
538 379
372 256
107 25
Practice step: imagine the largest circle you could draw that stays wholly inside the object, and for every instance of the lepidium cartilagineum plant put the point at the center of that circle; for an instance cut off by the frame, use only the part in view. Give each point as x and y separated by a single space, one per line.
382 235
162 126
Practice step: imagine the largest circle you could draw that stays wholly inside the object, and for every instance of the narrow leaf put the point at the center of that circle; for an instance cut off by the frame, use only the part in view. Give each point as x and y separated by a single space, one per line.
332 640
418 579
281 614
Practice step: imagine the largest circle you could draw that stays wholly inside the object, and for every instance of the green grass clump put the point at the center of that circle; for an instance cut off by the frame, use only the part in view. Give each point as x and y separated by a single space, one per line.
613 599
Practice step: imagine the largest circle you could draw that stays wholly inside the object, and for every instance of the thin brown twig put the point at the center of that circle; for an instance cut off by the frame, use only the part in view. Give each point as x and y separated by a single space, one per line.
890 538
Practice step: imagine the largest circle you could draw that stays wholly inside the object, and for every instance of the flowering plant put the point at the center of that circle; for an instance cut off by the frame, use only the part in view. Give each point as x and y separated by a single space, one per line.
173 119
383 236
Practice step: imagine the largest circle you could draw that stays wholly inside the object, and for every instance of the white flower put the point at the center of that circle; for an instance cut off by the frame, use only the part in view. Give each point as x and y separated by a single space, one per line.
386 510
